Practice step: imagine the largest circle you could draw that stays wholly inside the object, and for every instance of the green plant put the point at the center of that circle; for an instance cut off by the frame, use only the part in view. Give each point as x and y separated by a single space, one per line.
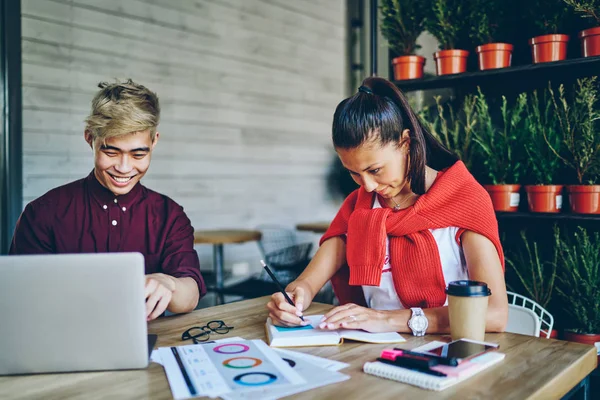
578 121
544 17
537 276
454 129
501 149
448 21
490 21
541 137
402 23
579 279
589 8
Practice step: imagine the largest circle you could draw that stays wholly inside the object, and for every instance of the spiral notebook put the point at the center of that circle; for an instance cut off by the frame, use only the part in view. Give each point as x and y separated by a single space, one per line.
311 335
432 382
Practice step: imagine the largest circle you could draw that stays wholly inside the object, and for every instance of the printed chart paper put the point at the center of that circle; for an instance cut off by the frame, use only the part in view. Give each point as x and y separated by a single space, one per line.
316 371
218 368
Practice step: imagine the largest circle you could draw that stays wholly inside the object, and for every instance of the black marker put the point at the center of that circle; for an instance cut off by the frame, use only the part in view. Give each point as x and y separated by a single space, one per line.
451 361
423 370
281 288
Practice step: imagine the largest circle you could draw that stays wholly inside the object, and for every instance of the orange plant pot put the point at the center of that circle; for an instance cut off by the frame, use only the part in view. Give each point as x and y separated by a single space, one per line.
544 198
584 199
504 197
548 48
450 61
582 338
408 67
590 42
494 55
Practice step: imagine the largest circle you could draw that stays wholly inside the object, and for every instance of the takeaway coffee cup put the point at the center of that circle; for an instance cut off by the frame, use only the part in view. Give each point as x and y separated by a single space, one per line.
467 309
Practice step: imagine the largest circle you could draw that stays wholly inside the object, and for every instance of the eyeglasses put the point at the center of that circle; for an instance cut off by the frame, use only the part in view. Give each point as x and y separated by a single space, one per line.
201 334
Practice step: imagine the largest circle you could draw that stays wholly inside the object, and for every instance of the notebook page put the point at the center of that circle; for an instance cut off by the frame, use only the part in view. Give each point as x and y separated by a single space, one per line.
362 336
309 335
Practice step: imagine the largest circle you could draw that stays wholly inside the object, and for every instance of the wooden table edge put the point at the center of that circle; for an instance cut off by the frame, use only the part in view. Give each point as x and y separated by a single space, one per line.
560 385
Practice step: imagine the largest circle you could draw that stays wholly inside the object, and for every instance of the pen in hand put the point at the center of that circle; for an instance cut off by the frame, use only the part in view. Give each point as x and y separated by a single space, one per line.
281 288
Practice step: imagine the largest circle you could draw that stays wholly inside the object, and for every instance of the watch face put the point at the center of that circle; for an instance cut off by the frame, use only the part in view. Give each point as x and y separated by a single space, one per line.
419 323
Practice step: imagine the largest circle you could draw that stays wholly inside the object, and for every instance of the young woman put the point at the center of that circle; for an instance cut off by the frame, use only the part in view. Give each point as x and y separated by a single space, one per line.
418 221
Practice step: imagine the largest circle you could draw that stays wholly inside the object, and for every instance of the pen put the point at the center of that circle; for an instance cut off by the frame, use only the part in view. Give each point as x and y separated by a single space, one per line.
183 370
281 288
451 361
423 370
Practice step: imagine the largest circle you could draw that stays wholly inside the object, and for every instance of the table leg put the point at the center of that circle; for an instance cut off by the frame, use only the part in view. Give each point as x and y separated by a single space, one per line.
218 267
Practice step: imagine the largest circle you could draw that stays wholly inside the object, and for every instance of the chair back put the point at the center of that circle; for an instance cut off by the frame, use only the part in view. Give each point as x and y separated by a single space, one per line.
517 317
522 320
275 237
287 264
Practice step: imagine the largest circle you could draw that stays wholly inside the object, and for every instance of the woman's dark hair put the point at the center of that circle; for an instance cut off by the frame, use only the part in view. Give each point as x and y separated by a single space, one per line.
379 111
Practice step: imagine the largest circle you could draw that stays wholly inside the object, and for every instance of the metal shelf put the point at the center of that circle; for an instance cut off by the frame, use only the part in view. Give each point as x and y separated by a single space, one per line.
503 216
531 75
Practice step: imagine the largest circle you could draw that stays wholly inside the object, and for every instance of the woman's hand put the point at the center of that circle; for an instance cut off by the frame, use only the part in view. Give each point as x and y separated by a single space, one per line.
283 313
351 316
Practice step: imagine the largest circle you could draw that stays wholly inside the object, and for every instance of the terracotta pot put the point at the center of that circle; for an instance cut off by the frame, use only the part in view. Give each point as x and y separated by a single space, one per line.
590 42
504 197
585 338
408 67
494 55
544 198
450 61
553 334
548 48
584 199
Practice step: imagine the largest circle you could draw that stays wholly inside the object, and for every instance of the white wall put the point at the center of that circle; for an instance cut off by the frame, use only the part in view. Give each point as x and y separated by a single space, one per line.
247 87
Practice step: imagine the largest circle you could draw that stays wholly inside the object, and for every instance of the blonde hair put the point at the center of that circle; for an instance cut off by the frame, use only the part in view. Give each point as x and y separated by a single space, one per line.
122 107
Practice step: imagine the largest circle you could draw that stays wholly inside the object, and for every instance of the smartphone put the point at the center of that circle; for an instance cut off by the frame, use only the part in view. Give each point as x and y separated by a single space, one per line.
462 349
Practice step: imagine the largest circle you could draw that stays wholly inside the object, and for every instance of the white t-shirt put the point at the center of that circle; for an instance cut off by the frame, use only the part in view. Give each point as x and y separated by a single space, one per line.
454 267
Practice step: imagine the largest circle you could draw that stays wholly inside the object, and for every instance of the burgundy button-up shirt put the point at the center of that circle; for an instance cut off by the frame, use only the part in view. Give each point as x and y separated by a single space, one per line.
85 217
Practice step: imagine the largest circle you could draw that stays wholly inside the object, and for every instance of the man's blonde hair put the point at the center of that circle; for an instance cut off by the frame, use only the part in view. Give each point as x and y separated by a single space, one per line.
122 107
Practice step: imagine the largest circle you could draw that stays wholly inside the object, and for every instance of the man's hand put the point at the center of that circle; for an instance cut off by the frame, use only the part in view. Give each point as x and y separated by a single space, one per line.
159 291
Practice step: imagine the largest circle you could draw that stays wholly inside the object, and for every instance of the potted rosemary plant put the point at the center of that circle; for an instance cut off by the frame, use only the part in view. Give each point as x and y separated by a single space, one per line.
590 38
448 21
501 150
542 164
402 23
489 30
548 21
579 123
454 128
536 276
578 285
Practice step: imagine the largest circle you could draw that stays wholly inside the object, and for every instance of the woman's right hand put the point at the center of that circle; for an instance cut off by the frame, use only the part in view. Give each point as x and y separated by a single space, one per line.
283 313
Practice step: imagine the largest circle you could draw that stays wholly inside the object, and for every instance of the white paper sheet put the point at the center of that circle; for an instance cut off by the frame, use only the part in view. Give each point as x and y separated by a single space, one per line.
316 371
217 368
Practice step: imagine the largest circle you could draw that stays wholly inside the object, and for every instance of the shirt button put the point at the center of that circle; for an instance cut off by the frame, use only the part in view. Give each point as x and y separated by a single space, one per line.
105 206
124 209
115 200
114 223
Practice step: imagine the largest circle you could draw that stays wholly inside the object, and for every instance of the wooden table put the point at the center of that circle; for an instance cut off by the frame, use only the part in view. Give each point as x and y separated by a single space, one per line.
218 238
534 368
316 227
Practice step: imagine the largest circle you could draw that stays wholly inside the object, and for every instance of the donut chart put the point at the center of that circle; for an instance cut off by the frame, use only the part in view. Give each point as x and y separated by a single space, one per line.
242 362
231 348
255 378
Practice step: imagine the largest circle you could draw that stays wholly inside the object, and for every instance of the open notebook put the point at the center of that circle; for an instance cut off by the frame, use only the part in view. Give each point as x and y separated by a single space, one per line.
463 371
311 335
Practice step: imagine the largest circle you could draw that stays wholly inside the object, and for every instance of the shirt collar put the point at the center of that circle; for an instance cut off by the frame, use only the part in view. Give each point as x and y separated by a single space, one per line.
105 197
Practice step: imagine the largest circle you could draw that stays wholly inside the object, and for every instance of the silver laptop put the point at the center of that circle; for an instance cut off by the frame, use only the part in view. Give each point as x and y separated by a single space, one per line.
72 312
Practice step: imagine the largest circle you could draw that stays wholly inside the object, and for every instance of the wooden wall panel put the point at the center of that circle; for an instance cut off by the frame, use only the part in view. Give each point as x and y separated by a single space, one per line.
247 87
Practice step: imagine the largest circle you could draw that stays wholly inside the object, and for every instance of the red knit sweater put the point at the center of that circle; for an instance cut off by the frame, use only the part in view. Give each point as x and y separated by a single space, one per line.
454 199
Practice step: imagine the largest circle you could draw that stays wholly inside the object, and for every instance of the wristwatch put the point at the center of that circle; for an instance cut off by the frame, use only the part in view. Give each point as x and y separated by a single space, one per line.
418 322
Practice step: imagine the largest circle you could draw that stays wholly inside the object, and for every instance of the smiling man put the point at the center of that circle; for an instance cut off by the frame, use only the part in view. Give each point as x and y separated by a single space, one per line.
111 211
